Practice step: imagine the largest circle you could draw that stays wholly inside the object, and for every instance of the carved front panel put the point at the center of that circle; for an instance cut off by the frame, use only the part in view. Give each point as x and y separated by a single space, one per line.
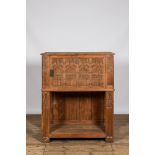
77 72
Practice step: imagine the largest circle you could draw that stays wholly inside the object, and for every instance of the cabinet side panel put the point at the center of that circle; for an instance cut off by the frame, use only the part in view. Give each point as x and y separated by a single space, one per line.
58 107
110 70
45 72
97 103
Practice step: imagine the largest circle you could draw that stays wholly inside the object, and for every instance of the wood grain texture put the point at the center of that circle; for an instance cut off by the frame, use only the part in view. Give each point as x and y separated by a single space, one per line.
77 131
77 90
77 146
77 72
77 107
78 53
46 115
108 115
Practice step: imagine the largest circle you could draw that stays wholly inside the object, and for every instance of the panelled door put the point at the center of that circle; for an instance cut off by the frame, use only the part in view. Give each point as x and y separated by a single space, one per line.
76 72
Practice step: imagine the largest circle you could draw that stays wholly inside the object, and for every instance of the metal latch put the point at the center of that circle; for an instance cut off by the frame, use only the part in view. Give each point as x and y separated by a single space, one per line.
52 72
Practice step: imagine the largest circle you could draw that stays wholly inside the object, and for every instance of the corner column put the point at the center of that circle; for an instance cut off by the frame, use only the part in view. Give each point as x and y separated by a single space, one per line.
108 115
46 115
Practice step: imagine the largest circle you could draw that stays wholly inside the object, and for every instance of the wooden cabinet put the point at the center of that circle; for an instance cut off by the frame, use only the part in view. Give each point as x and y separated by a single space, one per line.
77 95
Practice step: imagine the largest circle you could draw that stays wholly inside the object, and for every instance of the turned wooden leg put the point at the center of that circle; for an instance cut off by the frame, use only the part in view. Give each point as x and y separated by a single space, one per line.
108 116
46 139
46 114
109 139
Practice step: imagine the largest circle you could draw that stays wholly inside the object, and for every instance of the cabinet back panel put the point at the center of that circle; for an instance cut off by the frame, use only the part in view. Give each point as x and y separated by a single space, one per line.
80 106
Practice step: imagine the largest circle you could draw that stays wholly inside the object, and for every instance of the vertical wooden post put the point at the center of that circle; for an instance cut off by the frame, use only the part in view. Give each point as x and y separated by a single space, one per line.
108 116
46 114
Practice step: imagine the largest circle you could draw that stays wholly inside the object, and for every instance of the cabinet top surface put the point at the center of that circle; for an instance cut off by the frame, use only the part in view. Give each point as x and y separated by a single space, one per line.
77 53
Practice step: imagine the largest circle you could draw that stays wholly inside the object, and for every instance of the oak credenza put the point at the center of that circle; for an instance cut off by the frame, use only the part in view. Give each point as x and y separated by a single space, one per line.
77 95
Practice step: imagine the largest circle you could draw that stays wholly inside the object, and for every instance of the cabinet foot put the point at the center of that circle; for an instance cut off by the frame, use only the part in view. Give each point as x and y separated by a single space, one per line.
46 139
109 139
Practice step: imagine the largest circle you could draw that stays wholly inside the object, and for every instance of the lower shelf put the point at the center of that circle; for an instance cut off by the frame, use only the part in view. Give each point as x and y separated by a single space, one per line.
76 131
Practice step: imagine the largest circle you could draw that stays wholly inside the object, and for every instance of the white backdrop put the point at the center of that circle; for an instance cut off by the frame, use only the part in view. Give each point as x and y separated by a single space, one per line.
77 25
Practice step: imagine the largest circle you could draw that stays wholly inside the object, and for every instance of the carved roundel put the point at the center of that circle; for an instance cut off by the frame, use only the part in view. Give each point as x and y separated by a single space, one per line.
70 69
84 68
58 69
97 69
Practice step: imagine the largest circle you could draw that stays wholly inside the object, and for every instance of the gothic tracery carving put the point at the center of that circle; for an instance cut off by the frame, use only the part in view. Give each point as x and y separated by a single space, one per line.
78 72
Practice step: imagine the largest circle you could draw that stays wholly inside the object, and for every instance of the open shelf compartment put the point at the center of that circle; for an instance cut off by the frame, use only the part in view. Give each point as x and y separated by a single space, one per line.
77 115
